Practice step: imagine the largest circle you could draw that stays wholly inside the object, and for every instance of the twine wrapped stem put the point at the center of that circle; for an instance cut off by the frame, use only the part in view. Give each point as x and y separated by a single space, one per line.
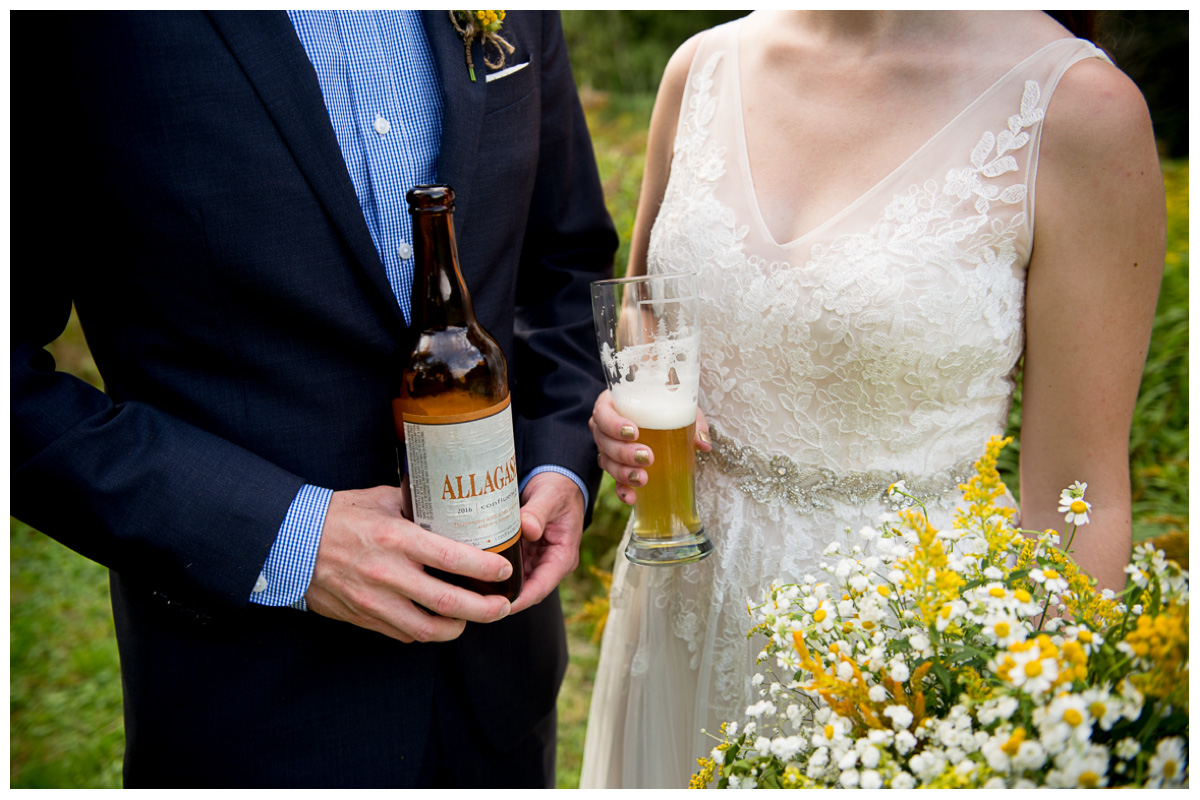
469 28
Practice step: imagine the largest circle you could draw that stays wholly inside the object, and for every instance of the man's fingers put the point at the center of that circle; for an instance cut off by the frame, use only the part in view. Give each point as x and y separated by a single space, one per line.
553 509
371 571
440 552
391 615
448 556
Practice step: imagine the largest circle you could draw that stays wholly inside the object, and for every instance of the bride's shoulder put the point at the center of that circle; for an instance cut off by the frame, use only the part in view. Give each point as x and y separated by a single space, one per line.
1096 113
675 75
671 87
682 63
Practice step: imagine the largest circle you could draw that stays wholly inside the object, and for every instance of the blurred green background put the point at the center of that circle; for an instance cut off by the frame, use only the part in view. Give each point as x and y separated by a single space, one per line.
65 692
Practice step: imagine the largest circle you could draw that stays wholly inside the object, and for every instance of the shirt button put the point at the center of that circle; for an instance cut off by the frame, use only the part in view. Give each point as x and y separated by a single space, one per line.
405 250
260 585
382 126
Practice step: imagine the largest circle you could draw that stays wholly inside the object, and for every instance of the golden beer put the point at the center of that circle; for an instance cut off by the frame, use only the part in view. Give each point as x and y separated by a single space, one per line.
666 505
648 331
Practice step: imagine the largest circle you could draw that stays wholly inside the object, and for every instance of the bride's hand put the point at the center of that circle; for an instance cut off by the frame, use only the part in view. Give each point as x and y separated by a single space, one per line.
620 453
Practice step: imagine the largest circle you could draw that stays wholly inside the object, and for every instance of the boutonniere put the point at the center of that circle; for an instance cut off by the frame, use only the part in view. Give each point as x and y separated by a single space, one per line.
485 26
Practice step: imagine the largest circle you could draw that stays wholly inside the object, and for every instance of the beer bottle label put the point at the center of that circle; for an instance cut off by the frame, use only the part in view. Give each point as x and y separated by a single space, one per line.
463 475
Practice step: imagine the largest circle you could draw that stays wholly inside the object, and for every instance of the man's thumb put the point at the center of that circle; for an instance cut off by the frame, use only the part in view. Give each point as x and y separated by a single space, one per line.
532 524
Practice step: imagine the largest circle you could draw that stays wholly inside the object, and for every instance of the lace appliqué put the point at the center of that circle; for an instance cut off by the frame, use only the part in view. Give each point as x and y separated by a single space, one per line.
768 478
885 336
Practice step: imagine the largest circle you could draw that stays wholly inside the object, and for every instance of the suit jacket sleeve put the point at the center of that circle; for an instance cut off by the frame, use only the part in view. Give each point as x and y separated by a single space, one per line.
126 484
114 476
569 242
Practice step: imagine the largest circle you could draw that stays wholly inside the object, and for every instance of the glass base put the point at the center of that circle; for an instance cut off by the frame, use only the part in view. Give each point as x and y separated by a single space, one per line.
667 552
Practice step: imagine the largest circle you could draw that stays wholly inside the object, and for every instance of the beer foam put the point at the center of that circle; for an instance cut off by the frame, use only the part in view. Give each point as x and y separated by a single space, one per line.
656 407
653 361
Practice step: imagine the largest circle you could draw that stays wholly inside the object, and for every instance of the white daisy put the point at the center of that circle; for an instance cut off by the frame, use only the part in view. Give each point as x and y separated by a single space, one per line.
1006 629
1168 765
1076 511
1103 707
1031 755
1073 492
1127 749
1052 579
1078 768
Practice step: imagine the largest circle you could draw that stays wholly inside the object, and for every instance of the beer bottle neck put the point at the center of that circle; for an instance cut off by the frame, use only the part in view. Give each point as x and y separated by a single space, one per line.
439 295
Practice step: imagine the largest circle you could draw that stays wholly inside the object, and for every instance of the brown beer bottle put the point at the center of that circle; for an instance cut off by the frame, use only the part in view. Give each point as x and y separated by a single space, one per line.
452 405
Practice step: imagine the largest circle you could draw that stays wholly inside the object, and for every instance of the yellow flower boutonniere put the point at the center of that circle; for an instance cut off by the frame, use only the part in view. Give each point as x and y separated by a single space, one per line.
485 26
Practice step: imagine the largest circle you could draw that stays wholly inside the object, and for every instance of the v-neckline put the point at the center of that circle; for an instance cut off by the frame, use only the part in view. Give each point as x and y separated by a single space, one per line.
876 188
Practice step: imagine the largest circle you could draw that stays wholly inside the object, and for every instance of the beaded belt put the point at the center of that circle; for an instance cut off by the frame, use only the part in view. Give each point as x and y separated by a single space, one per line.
768 478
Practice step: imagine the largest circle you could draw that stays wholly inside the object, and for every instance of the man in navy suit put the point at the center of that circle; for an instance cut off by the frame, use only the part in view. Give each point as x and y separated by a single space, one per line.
217 195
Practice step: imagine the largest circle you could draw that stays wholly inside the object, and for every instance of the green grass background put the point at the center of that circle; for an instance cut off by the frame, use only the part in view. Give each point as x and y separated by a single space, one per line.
65 693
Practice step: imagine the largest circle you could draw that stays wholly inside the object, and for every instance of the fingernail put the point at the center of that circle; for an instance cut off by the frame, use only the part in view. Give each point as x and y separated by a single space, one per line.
703 436
505 571
641 457
628 432
504 611
635 477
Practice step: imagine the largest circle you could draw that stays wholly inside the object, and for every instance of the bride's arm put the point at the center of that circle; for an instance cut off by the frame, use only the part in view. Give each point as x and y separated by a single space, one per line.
619 455
1099 242
660 144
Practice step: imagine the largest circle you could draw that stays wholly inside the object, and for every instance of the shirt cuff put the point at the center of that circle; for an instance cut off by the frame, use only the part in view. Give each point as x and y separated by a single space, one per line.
289 567
560 471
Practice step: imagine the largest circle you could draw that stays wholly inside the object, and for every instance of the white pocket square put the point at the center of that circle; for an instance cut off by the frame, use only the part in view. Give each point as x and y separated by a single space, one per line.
492 76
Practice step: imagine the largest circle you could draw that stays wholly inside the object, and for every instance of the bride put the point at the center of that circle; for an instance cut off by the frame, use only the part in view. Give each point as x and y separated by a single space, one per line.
859 192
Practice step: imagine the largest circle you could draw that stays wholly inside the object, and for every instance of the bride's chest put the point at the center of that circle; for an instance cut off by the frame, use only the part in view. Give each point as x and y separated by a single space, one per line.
901 269
804 158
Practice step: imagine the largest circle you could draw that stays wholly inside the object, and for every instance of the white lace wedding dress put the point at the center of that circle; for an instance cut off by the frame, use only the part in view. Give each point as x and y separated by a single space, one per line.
879 346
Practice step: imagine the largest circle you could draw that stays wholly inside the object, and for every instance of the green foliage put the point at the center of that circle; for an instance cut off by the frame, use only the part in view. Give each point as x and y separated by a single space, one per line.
604 534
65 722
625 52
574 698
1158 446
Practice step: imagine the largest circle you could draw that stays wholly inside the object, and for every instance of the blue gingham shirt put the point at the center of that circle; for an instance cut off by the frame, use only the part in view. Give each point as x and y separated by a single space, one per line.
384 98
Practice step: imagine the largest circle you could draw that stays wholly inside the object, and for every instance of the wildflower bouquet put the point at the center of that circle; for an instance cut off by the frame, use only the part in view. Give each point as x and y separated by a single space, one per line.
975 657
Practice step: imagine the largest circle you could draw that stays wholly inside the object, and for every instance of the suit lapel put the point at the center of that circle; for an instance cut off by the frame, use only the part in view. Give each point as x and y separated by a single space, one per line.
462 112
266 46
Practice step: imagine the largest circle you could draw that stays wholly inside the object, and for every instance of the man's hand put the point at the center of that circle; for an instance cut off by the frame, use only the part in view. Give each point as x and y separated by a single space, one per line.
370 571
552 527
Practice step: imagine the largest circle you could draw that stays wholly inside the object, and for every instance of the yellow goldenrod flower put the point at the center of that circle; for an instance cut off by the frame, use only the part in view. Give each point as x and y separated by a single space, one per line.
702 778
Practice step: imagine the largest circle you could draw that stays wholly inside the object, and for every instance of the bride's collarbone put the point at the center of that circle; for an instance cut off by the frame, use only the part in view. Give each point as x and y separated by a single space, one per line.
830 155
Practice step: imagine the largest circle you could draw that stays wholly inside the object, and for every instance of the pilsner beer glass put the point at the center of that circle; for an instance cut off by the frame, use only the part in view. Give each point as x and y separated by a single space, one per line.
649 336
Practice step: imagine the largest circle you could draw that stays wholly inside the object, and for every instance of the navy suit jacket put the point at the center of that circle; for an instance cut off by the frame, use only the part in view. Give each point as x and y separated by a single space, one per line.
176 176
